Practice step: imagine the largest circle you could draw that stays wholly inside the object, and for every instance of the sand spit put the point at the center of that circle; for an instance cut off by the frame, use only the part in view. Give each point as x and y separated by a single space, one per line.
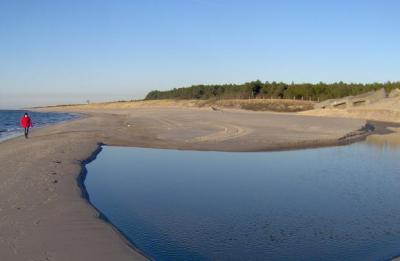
43 216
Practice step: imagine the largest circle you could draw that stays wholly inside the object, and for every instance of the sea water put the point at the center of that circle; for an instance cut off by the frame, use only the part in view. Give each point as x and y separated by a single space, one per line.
10 121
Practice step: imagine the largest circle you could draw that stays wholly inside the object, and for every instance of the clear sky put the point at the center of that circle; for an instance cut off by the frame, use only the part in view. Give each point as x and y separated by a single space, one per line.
54 51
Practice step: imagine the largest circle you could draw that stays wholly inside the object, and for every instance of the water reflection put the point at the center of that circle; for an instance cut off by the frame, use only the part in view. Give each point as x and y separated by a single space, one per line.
390 141
339 203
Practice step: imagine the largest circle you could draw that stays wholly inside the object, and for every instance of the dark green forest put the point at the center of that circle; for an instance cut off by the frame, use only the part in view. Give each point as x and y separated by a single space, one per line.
275 90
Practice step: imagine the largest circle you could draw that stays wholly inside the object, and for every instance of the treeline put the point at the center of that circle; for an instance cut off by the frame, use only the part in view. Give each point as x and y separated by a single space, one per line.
275 90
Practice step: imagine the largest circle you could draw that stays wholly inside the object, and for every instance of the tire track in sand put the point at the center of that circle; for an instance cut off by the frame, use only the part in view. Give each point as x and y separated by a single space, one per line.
227 132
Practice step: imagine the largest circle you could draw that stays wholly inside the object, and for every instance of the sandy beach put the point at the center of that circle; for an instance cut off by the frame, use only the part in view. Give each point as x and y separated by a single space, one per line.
207 84
43 215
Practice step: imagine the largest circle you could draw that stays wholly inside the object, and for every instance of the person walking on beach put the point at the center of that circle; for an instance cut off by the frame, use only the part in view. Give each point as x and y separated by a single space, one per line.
26 123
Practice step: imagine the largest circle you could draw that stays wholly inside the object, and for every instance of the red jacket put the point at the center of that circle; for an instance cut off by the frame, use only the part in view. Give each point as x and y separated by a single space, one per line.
26 122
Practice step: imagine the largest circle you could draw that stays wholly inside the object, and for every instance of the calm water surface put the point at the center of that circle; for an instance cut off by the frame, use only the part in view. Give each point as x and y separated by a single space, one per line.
339 203
10 121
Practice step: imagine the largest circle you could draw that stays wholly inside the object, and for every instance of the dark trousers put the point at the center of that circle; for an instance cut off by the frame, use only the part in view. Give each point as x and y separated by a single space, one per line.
26 132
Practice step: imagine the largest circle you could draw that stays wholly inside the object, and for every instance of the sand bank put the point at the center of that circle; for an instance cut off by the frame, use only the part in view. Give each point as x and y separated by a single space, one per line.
279 105
43 216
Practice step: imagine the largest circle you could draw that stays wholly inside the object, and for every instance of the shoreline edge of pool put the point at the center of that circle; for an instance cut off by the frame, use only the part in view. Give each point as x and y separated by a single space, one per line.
85 195
44 216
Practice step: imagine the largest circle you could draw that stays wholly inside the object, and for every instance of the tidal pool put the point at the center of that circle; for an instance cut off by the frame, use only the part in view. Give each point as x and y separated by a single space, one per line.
337 203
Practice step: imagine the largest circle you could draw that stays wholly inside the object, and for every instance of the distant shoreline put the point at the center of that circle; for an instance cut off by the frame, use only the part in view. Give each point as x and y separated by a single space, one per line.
275 105
7 135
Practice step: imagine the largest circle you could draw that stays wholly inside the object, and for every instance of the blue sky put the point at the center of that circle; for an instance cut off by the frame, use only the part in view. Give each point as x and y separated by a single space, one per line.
69 51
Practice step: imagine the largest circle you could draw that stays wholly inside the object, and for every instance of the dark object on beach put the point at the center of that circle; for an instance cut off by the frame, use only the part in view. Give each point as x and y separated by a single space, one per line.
55 181
26 123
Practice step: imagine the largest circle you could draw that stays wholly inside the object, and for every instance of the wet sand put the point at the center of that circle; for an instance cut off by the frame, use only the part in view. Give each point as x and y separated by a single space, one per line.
43 215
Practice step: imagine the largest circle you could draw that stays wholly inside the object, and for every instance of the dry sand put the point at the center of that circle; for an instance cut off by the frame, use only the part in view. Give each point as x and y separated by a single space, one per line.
280 105
386 110
43 216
